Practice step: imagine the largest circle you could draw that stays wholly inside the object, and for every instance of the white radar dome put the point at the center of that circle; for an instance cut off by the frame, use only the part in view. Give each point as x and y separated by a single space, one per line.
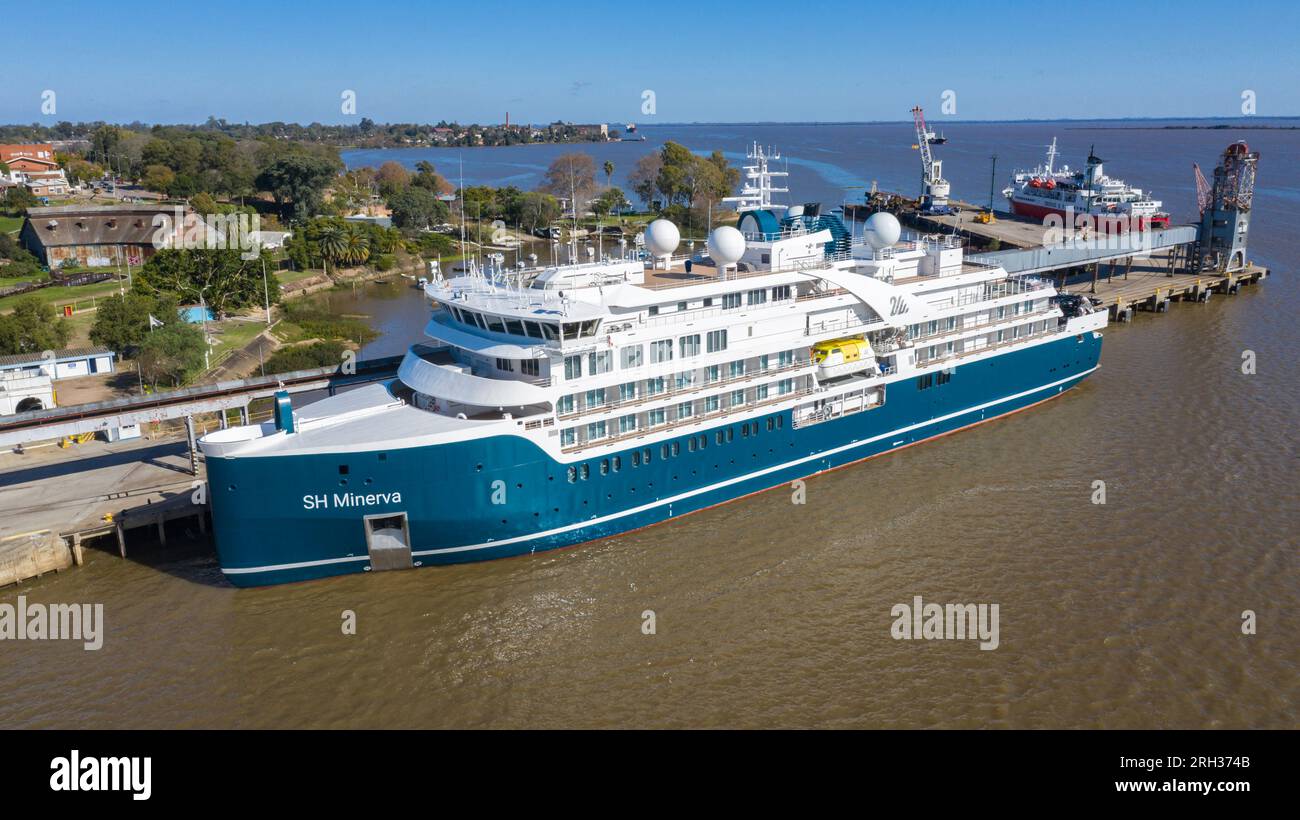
882 230
726 245
662 237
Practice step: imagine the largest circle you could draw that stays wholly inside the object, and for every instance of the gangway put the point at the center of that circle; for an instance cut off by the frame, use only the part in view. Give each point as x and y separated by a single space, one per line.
75 420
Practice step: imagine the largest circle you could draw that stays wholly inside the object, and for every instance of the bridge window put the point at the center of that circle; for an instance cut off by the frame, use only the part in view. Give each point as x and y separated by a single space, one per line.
530 367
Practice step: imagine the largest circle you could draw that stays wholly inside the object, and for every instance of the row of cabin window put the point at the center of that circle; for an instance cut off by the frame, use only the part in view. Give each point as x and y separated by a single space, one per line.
672 449
549 331
658 417
996 337
730 301
629 391
934 326
661 351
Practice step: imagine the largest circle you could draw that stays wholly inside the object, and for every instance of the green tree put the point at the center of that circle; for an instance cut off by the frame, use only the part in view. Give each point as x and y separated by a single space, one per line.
608 168
158 178
105 140
173 352
32 327
221 279
297 181
122 322
537 210
416 209
356 245
609 201
332 242
203 203
426 176
17 200
392 178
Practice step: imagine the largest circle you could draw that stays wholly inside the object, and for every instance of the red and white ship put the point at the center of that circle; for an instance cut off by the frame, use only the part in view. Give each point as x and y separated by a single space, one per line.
1112 204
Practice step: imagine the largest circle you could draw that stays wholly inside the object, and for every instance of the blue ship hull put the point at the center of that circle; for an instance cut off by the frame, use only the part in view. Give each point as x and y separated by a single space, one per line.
271 526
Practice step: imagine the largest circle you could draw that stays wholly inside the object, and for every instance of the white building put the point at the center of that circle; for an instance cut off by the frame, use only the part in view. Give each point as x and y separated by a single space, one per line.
60 364
23 392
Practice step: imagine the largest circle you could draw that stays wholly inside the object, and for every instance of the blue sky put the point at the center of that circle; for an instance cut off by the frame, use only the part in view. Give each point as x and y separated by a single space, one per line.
704 61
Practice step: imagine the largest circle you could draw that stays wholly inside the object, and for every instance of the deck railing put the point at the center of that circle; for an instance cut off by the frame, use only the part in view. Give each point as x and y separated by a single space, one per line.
642 432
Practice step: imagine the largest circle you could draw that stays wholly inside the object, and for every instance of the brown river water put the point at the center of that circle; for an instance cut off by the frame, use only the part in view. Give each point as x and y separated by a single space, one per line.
772 614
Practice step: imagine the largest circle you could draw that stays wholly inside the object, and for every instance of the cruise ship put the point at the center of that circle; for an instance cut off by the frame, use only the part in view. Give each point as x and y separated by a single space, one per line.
1113 205
573 402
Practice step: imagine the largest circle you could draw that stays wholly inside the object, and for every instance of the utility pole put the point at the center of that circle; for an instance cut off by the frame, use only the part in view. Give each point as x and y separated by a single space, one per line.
266 293
993 182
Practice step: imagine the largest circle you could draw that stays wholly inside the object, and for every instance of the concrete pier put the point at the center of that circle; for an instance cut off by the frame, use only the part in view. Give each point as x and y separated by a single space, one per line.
31 555
52 500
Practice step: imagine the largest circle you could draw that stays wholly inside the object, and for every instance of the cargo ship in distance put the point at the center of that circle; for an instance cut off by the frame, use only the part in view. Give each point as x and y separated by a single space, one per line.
574 402
1113 205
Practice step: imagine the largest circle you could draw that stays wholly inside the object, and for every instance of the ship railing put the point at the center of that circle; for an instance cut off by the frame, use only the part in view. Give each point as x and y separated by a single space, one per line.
1011 319
801 266
922 359
844 326
674 390
694 420
839 406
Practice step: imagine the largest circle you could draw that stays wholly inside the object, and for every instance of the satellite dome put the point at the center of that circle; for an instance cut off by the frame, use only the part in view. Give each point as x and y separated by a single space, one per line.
726 245
662 237
882 230
794 210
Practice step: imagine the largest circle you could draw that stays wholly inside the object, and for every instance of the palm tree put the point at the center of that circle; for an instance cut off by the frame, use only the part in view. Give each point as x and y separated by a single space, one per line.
609 173
333 245
356 246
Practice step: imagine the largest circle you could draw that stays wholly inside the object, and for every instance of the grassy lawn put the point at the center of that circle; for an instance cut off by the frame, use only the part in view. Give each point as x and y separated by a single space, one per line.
10 224
81 297
232 335
287 276
80 325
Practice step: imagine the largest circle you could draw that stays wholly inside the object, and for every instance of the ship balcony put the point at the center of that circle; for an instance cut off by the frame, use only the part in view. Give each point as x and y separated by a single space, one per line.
435 372
673 392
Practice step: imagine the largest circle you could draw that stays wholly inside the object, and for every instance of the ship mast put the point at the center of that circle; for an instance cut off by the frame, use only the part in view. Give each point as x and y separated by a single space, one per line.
757 192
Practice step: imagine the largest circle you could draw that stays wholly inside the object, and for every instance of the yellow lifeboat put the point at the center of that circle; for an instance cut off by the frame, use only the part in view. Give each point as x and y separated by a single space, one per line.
842 357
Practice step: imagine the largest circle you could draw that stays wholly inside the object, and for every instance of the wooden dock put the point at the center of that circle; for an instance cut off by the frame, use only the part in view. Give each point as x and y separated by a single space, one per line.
1150 285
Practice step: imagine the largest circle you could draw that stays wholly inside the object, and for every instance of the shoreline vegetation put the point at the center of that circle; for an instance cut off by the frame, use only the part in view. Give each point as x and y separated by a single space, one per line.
365 134
345 227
